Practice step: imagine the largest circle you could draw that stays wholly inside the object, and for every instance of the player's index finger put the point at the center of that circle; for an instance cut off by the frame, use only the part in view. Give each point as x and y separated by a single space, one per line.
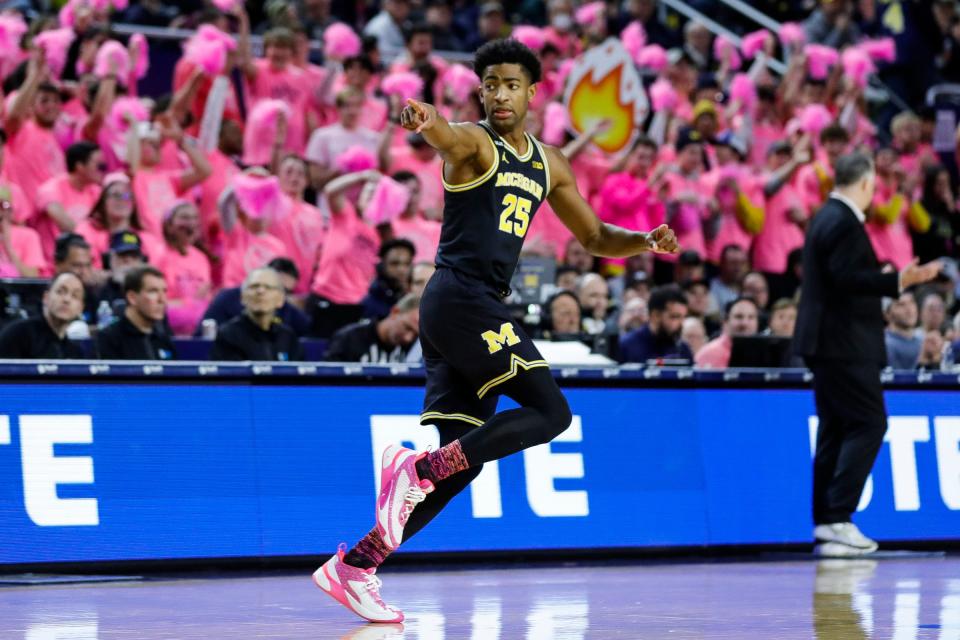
417 107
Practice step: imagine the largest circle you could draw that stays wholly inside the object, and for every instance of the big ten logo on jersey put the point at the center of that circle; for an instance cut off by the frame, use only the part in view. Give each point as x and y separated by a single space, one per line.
905 437
496 339
43 471
542 466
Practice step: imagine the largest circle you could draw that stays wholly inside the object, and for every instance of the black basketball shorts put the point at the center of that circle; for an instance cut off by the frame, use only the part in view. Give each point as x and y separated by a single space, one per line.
471 346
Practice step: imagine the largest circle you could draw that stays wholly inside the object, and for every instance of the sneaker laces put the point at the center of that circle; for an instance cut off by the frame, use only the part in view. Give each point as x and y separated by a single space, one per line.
414 496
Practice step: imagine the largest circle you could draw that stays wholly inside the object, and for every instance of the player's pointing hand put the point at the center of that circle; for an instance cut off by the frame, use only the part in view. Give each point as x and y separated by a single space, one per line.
418 116
663 240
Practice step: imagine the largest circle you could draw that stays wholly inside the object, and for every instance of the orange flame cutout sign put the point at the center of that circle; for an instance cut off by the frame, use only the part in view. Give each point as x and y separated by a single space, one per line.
604 85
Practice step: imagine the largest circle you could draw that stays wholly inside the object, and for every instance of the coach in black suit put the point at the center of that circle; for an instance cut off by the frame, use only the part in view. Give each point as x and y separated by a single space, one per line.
840 335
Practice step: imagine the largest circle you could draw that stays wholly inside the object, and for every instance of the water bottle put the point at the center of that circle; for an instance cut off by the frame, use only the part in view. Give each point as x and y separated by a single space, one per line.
105 316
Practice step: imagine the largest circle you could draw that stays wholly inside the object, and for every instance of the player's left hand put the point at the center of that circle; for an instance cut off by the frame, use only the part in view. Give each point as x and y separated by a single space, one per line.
663 240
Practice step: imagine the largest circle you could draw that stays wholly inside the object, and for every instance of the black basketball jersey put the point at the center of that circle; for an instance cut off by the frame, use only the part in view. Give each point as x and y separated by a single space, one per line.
485 220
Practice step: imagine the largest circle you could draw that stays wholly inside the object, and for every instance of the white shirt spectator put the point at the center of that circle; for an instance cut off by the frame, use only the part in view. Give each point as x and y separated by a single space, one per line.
326 142
388 33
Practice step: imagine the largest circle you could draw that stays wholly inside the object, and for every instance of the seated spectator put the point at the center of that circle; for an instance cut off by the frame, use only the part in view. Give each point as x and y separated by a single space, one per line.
228 304
783 318
257 333
660 338
421 274
594 297
634 315
392 281
65 200
115 210
126 253
903 343
725 287
21 254
754 286
933 314
693 334
931 351
189 275
638 268
563 318
71 254
382 341
139 333
45 337
689 267
577 257
700 303
566 277
740 319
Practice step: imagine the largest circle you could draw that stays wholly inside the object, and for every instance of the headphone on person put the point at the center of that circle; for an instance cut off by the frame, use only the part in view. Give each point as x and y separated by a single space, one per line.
546 314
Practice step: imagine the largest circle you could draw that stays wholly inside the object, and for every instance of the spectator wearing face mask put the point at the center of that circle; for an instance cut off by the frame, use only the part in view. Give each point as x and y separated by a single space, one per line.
740 319
139 333
660 338
258 333
379 341
65 200
45 337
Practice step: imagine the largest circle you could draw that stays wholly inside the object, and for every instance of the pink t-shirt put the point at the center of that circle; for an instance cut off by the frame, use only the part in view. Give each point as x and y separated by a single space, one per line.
76 203
33 156
189 285
913 163
23 208
302 232
423 233
292 86
231 109
99 241
780 235
592 166
688 219
730 230
155 190
814 181
891 242
349 260
547 234
764 135
431 186
246 251
328 142
715 354
223 170
26 245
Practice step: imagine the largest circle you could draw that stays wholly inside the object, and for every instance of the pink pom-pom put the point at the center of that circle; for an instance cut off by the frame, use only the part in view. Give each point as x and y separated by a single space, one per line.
209 55
563 71
460 82
622 194
652 57
532 37
55 44
67 17
634 39
663 97
729 173
814 118
260 197
356 159
754 43
112 54
857 66
820 59
261 130
793 127
226 5
340 42
590 14
723 49
792 35
142 63
389 200
211 33
120 5
12 28
403 84
742 88
123 106
880 50
555 124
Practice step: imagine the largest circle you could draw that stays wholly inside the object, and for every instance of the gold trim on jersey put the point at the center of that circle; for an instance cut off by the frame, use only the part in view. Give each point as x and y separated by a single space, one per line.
477 422
466 186
546 167
516 363
509 146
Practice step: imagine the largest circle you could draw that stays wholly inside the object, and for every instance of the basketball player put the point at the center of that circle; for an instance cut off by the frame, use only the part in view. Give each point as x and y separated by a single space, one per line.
495 176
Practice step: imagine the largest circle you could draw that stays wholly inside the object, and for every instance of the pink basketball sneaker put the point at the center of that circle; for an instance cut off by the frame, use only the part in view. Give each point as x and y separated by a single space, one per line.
356 589
400 491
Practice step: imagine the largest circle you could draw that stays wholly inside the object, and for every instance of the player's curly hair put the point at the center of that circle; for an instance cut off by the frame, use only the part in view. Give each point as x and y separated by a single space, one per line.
507 51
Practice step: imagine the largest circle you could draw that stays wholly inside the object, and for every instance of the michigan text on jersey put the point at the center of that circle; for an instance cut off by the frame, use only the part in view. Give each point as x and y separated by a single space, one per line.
521 181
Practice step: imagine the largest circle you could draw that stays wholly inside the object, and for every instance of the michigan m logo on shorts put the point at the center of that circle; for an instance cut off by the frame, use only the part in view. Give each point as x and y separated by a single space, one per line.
496 340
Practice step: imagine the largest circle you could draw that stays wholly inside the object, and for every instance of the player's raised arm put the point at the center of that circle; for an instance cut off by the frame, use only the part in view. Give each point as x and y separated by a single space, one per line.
455 142
598 237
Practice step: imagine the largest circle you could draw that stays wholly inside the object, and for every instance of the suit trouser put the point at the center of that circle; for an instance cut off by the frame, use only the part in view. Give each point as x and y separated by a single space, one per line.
853 420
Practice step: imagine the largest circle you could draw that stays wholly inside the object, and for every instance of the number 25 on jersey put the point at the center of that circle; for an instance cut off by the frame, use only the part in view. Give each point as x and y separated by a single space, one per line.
515 217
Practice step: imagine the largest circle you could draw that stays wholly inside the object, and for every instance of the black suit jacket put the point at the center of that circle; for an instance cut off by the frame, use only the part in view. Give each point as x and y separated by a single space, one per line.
840 314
